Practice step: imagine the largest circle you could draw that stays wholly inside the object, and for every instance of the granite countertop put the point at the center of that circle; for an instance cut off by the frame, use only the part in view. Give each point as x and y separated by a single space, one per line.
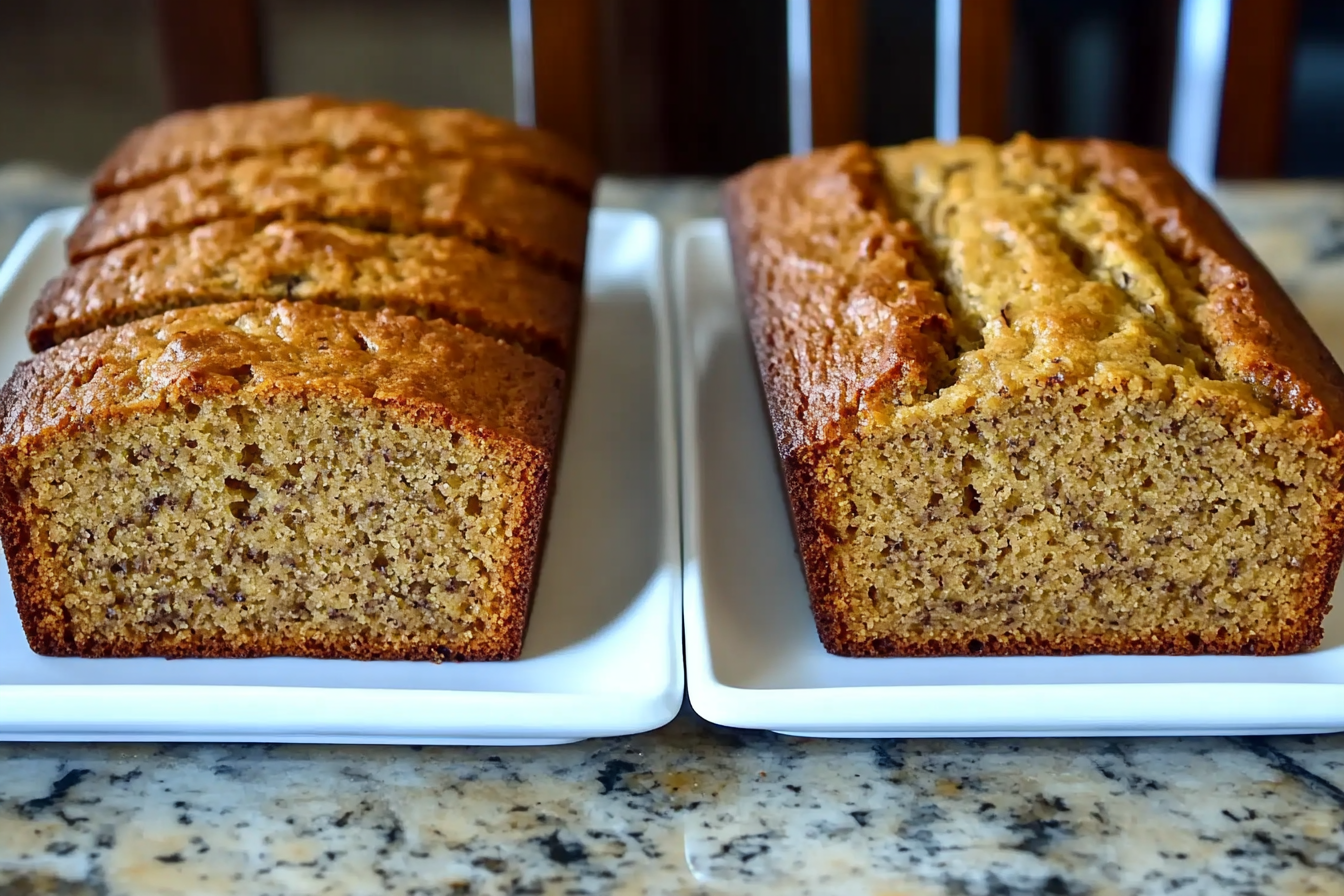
693 808
687 809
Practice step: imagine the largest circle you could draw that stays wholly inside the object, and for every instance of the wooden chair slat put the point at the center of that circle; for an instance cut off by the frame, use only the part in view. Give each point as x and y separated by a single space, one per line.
837 41
566 69
1260 44
986 62
212 52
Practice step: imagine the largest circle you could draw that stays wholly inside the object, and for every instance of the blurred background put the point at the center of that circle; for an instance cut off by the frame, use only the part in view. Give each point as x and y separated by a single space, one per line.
685 86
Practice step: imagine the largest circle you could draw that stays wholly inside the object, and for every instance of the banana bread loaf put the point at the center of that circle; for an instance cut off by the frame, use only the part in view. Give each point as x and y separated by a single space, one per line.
459 197
1037 398
269 478
231 132
242 258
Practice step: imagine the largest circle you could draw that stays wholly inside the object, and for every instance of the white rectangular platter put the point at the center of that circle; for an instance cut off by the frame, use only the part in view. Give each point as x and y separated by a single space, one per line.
603 650
753 658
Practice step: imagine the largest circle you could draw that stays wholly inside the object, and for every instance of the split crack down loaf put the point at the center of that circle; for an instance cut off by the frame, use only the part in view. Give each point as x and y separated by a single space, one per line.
301 390
1037 398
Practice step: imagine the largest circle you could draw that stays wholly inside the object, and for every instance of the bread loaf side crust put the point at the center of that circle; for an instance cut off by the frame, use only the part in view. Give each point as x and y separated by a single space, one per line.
426 373
821 385
236 131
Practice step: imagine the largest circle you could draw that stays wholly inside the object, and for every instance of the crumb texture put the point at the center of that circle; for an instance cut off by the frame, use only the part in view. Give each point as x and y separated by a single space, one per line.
1034 398
240 528
258 478
242 258
1074 521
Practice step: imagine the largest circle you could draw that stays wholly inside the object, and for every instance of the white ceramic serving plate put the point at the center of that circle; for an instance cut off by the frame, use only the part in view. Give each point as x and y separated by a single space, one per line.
603 651
753 659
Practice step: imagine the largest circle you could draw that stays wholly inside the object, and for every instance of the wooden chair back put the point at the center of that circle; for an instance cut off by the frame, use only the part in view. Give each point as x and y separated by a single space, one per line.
1233 64
1233 61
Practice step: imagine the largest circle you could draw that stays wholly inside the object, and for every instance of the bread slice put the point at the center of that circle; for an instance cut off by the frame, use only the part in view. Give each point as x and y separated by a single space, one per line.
1037 399
461 197
236 131
261 478
241 259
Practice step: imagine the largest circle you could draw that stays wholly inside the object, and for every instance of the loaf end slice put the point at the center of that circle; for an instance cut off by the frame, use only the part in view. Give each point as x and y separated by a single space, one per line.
264 479
1037 399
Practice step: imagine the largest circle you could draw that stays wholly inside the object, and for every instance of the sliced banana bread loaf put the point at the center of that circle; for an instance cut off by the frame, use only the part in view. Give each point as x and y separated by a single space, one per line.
1037 399
277 478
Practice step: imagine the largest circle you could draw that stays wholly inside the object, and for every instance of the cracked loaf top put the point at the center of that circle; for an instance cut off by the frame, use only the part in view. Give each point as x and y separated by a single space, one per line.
932 274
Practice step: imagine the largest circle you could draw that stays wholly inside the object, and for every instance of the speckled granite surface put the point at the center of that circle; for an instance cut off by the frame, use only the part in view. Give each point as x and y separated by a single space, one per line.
698 809
688 809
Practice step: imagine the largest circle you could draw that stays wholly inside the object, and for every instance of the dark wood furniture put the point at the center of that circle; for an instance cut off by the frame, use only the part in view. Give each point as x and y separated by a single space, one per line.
635 83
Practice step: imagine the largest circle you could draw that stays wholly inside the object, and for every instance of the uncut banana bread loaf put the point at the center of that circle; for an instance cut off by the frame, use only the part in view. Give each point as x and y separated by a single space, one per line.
1037 398
264 478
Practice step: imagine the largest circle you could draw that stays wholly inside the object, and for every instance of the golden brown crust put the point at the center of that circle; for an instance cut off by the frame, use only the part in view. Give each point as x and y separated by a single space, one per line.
47 641
814 545
431 373
800 231
428 370
231 132
240 259
466 198
1253 327
839 303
